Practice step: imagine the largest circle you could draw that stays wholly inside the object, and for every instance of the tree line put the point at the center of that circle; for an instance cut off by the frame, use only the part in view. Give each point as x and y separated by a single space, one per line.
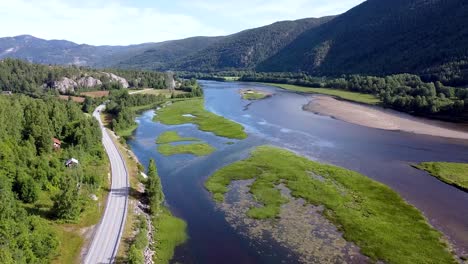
403 92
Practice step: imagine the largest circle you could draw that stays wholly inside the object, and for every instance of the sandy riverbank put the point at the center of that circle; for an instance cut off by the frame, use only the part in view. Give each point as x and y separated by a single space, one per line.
377 117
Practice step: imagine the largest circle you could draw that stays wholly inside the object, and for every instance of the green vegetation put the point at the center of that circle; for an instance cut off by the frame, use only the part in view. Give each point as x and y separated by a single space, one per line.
167 149
253 94
39 193
452 173
346 95
123 108
139 243
177 113
197 149
369 213
169 231
23 77
172 136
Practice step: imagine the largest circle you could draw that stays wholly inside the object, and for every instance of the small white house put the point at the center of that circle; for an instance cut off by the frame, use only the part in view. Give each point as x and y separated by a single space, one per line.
72 162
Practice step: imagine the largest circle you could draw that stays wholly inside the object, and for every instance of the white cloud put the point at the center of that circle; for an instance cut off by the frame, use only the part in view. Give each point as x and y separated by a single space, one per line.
96 24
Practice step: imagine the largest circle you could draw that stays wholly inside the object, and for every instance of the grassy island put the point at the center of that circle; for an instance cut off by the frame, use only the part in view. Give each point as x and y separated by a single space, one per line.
346 95
193 111
249 94
172 136
197 149
369 213
455 174
166 148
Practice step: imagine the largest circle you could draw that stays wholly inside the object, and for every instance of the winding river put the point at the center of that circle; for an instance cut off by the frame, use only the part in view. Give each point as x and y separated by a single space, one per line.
382 155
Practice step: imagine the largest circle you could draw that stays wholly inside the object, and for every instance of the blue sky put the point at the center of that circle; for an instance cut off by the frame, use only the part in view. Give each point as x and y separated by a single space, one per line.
123 22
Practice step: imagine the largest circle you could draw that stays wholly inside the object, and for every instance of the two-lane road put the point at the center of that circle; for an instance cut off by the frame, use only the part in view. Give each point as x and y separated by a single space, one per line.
106 239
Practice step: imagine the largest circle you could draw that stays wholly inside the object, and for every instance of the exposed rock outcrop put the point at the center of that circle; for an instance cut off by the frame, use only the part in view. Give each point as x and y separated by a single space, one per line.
89 82
65 85
116 78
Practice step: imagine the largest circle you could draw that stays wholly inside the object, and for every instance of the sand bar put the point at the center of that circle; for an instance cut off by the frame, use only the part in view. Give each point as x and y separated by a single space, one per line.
377 117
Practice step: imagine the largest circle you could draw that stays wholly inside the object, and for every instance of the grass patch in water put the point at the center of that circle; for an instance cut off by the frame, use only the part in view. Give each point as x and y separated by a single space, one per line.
449 172
249 94
172 136
170 232
197 149
369 213
206 121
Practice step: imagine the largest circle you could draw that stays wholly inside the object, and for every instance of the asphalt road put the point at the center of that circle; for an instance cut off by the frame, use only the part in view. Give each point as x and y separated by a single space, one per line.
106 239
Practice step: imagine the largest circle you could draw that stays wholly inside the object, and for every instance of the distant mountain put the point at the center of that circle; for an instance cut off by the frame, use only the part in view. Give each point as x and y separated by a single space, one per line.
65 52
427 37
162 55
378 37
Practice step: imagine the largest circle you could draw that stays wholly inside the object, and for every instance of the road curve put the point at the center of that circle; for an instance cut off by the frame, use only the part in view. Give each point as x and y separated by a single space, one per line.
106 239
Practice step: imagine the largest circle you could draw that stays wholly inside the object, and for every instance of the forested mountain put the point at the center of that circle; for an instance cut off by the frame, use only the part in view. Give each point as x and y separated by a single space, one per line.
65 52
246 49
161 55
379 37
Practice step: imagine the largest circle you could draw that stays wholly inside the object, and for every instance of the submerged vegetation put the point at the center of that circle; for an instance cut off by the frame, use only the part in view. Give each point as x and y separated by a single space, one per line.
193 111
369 213
452 173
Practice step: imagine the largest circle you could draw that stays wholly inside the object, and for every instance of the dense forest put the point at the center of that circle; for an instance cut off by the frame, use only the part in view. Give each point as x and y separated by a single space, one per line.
244 50
122 107
382 37
404 92
36 186
23 77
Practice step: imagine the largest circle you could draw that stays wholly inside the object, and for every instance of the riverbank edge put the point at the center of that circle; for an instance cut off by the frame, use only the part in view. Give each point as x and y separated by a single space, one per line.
380 118
421 166
137 202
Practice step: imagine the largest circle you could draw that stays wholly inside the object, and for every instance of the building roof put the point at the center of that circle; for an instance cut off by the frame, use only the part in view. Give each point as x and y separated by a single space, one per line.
71 161
57 141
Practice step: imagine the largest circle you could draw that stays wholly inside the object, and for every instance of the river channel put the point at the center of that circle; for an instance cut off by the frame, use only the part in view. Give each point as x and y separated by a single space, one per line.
382 155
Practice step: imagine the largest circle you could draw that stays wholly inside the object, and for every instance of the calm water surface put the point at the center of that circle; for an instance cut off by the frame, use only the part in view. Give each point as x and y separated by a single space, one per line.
382 155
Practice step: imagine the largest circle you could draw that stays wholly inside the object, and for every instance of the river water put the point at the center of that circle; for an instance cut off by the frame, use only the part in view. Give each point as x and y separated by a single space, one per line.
381 155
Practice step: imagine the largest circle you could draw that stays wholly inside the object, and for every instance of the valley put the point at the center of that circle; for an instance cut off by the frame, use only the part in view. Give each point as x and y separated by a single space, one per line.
250 132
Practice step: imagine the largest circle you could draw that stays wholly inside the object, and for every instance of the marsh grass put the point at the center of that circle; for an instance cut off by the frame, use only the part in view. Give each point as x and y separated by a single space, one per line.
369 213
170 232
172 136
346 95
197 149
452 173
206 121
